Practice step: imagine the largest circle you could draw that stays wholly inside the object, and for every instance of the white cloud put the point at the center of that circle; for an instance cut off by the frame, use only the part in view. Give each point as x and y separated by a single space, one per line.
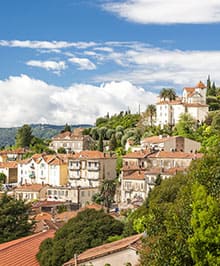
83 63
56 67
27 100
46 44
155 65
166 12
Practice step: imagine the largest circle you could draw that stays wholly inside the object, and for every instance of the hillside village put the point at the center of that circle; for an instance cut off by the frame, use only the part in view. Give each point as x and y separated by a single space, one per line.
112 168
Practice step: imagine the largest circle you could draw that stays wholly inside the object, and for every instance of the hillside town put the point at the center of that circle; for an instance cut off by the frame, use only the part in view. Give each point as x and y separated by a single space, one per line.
83 173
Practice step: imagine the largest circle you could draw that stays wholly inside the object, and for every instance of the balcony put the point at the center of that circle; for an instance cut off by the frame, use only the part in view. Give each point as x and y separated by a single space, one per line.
74 166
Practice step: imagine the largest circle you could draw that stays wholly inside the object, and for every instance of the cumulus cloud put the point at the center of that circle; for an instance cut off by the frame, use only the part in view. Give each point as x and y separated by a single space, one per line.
155 65
27 100
83 63
166 12
56 67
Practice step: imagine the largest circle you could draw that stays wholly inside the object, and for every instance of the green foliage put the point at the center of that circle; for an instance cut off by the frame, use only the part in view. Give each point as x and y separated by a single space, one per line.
2 178
88 229
168 93
61 208
186 126
24 136
107 192
13 219
61 150
123 120
66 128
100 143
205 221
112 143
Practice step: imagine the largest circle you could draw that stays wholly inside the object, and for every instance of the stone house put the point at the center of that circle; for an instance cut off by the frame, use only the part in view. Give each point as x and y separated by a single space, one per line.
72 141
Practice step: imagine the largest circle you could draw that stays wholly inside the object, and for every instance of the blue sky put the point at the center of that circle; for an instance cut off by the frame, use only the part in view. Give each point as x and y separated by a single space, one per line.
73 60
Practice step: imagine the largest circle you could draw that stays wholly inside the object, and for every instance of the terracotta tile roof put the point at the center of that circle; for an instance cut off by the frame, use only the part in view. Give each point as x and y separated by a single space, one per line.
157 139
138 154
9 165
201 85
65 216
43 216
174 102
137 175
175 154
30 187
106 249
22 252
90 155
189 89
16 151
45 203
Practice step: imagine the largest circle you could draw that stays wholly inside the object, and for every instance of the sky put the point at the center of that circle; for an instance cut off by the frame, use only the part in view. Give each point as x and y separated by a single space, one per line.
71 61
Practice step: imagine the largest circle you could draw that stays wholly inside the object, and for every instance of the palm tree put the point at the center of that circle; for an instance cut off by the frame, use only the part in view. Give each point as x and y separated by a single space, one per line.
168 93
151 112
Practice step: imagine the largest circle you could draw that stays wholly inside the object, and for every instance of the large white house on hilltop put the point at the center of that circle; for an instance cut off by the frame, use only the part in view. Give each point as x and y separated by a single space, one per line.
193 101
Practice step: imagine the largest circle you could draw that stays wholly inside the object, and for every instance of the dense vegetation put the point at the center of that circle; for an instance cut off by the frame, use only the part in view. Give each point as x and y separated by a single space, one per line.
182 216
88 229
13 219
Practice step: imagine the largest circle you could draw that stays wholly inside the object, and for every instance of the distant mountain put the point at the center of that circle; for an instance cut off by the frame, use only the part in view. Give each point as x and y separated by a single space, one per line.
44 131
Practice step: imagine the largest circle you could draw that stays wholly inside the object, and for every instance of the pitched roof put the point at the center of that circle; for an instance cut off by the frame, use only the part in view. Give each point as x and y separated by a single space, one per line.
175 155
23 251
195 105
87 154
30 187
138 154
9 165
16 151
158 139
201 85
106 249
137 175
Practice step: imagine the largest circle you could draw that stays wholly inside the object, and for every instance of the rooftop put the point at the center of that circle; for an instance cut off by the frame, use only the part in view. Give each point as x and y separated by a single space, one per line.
23 251
106 249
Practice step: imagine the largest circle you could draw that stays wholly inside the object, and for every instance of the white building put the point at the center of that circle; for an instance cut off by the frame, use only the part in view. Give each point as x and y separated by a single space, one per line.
193 101
43 169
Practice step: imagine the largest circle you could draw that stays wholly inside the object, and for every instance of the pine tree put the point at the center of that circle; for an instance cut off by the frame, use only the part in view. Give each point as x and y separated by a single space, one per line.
24 136
100 143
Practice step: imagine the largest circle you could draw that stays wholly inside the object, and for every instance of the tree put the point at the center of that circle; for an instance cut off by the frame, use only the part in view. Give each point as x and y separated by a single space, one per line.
112 143
61 150
24 136
107 192
100 143
186 126
14 221
66 128
168 94
2 178
88 229
205 221
151 112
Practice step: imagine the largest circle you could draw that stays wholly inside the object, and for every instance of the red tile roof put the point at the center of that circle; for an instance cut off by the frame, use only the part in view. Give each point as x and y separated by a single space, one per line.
22 252
9 165
201 85
158 139
90 155
175 154
30 187
106 249
138 154
137 175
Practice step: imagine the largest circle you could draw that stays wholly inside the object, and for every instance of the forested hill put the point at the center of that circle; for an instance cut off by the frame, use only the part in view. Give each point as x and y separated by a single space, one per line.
7 135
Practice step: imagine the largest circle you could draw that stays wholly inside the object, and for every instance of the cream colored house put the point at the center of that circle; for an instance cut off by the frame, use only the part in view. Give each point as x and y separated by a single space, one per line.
193 101
171 143
118 253
10 170
43 169
12 155
79 195
89 168
72 141
31 192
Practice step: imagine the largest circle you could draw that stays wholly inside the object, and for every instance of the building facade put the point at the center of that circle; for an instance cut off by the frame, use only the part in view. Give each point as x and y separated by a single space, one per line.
193 102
